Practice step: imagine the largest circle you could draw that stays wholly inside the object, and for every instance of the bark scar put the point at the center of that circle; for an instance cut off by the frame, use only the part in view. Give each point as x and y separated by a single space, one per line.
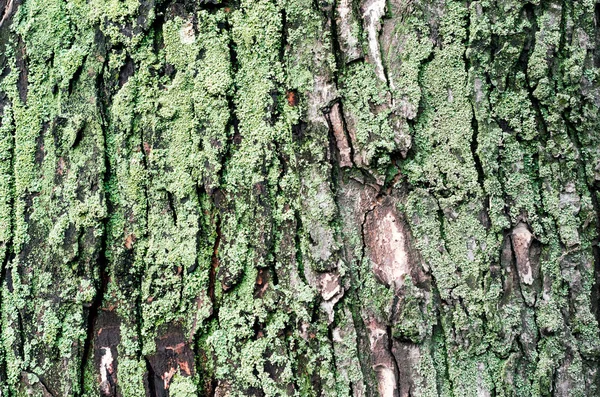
373 11
521 239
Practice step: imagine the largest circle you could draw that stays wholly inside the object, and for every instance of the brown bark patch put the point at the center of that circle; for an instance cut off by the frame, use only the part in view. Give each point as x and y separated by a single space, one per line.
262 282
106 339
129 240
292 98
521 239
336 123
386 241
382 359
173 353
23 81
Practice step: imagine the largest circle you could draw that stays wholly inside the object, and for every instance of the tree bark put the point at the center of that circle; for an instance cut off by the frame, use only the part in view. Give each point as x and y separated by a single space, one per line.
296 197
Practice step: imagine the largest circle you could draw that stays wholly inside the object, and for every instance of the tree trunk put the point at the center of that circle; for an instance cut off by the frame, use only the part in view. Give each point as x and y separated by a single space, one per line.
298 197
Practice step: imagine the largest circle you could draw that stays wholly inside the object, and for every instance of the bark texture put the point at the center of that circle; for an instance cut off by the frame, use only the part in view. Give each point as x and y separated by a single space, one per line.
299 197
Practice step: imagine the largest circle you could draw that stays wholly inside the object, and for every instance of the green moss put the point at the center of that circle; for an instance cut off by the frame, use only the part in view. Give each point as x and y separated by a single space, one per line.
131 374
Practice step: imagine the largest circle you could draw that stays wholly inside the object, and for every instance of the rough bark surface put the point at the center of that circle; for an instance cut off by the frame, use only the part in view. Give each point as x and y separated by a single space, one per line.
299 197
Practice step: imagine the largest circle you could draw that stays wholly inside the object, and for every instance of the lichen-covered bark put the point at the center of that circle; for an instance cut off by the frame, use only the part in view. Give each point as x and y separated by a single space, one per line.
297 197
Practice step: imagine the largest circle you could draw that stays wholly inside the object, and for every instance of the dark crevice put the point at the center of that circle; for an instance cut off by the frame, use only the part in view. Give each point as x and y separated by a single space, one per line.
330 328
390 349
474 123
21 333
156 27
271 258
45 388
467 42
185 8
127 70
439 332
214 266
213 388
146 187
171 202
78 135
334 147
7 247
10 6
284 36
347 134
292 99
213 5
524 57
153 380
21 62
362 233
75 78
220 197
5 262
102 260
412 123
298 247
335 43
443 237
363 348
564 11
474 147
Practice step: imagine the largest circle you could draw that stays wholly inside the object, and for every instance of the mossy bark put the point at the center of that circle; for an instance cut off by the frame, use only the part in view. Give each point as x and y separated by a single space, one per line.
298 197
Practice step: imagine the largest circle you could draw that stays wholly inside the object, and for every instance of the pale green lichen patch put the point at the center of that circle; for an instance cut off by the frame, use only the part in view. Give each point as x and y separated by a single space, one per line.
170 165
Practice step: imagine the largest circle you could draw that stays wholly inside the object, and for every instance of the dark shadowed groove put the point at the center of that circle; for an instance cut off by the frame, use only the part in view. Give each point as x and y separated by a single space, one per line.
298 247
335 43
21 62
102 260
171 202
5 262
218 196
213 388
213 5
75 78
8 248
474 146
151 377
214 266
524 57
21 334
390 349
95 308
412 123
474 122
362 234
